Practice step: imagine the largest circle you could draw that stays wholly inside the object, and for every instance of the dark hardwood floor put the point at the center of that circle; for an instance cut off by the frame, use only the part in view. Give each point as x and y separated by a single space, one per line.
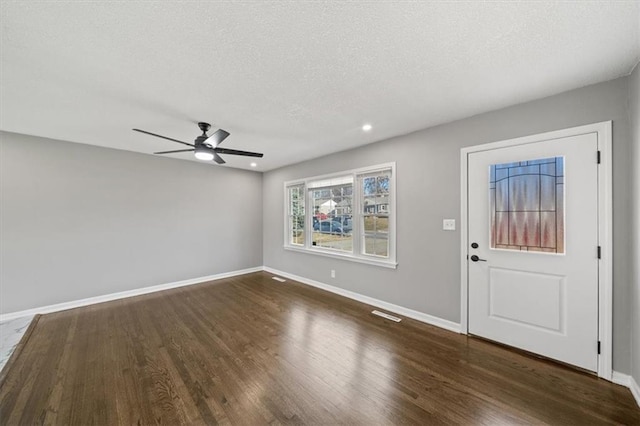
250 350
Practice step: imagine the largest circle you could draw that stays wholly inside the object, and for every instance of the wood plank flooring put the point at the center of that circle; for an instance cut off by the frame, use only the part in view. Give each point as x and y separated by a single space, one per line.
249 350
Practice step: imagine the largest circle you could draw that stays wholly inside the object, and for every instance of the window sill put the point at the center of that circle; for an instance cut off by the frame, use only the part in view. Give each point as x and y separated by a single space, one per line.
366 260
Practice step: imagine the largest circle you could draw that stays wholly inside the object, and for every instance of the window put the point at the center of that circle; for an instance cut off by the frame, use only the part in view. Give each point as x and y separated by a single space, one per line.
375 213
331 216
351 215
296 215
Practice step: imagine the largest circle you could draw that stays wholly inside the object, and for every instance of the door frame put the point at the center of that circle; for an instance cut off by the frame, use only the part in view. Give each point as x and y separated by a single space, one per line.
605 230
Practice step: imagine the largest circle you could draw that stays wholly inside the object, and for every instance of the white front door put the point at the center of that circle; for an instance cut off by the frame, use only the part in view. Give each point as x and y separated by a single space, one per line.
533 247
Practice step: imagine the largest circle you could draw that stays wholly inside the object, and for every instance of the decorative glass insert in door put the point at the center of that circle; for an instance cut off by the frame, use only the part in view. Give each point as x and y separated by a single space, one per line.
527 205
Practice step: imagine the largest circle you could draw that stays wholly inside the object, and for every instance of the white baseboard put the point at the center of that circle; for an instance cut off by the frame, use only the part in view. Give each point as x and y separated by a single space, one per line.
410 313
635 389
123 294
629 382
621 379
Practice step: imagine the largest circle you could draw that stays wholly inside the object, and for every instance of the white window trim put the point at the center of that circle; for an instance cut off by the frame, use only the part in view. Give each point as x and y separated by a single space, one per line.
356 256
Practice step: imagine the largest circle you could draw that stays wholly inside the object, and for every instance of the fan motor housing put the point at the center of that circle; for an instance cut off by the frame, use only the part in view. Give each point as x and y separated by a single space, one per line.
200 140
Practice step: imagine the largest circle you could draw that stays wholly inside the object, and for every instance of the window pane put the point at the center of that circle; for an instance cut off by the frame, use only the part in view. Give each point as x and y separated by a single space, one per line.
296 200
527 205
383 184
369 224
296 225
369 186
376 245
332 217
341 242
375 201
382 224
296 215
369 205
376 224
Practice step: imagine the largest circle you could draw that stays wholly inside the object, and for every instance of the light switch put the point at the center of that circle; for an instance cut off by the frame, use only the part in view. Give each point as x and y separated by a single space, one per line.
449 224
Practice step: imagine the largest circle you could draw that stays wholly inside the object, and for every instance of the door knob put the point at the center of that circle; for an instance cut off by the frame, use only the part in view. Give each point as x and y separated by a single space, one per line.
475 258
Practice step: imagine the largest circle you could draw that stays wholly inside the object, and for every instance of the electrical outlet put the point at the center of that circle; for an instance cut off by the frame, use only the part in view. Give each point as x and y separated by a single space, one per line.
449 224
333 273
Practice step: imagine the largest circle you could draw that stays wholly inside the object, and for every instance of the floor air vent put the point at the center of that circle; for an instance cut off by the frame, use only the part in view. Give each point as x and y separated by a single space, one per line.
387 316
279 279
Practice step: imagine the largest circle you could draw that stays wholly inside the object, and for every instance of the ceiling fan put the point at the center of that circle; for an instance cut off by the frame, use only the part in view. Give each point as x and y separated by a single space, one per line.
205 147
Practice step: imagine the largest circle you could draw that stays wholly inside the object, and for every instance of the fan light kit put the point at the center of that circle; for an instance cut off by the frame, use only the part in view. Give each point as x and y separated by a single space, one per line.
204 155
205 147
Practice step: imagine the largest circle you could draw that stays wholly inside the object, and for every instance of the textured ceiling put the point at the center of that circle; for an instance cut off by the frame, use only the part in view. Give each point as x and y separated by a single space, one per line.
295 80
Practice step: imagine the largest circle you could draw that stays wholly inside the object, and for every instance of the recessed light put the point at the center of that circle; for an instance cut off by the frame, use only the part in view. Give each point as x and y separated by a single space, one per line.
367 127
253 164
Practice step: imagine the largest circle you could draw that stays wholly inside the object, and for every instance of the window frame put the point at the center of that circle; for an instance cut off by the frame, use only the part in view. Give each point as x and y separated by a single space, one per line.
377 212
290 216
321 185
357 253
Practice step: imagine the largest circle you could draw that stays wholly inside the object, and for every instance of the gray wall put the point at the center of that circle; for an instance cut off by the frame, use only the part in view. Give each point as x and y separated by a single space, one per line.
634 113
428 190
79 221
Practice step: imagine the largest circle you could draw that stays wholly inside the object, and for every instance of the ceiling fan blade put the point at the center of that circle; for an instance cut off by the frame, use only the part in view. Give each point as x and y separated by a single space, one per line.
218 159
171 152
163 137
236 152
217 138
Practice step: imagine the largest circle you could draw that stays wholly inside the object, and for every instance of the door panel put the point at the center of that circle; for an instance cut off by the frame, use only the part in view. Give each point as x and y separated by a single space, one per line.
532 299
533 213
